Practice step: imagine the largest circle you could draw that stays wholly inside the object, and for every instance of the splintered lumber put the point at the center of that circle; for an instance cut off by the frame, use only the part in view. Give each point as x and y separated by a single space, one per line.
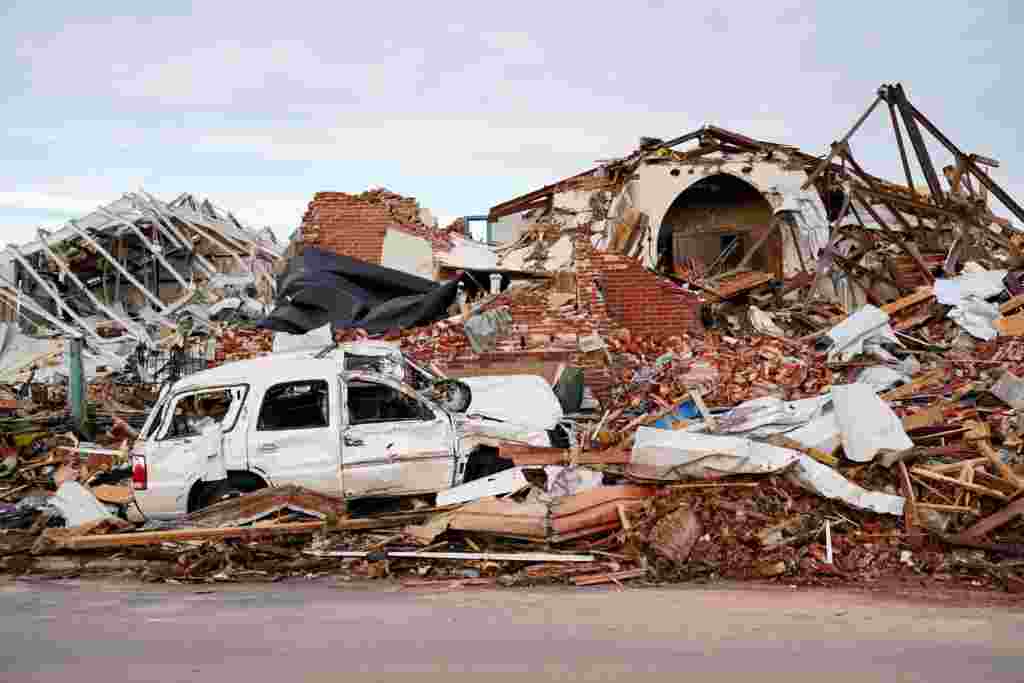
248 533
911 516
990 523
908 390
612 577
716 485
1012 305
475 557
698 400
265 502
523 454
922 294
821 456
1004 470
956 466
976 488
944 508
1010 326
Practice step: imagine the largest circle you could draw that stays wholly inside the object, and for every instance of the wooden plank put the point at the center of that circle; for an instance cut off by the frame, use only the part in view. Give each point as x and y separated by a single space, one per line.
928 417
719 485
698 400
1011 326
821 456
523 454
612 577
475 557
154 537
976 488
922 294
944 508
911 513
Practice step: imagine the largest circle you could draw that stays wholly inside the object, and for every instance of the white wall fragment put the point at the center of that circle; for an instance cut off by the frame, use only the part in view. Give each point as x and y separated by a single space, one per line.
849 336
506 481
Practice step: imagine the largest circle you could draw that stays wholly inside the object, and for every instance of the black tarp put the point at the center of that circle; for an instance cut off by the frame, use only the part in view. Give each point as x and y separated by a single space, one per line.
319 287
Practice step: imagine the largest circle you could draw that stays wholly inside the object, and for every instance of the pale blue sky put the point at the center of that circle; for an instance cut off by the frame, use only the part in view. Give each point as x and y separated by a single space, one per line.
462 104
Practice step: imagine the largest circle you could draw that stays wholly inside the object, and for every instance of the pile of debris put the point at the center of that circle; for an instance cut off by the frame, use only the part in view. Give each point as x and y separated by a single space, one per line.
718 457
837 399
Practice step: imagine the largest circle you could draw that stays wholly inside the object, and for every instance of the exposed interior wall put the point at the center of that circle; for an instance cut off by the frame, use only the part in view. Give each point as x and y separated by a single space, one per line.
507 228
408 253
712 213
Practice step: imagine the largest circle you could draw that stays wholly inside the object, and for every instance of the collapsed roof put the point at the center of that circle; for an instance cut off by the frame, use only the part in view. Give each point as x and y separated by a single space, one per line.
134 266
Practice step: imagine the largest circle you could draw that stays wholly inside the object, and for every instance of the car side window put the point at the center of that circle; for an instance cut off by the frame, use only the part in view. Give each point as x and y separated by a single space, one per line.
295 405
369 402
193 412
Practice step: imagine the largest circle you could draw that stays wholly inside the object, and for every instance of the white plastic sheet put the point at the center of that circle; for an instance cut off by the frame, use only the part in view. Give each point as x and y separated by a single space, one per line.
671 455
866 422
77 505
826 482
977 318
770 415
666 455
977 285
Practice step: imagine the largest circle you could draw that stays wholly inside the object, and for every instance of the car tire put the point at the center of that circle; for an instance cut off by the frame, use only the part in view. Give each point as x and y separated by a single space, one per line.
232 487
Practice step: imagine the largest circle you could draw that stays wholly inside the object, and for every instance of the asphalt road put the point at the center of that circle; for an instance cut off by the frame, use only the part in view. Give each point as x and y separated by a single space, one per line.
321 632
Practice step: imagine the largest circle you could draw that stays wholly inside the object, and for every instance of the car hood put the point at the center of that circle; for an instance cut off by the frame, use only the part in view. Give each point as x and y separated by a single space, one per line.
523 400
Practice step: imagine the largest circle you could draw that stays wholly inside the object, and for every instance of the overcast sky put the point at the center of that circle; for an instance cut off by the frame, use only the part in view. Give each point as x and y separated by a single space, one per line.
463 105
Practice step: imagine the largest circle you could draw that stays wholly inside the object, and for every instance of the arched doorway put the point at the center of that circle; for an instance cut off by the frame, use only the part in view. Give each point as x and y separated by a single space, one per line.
714 223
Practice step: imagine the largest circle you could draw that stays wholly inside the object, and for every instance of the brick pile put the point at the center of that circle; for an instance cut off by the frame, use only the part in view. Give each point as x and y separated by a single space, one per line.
604 294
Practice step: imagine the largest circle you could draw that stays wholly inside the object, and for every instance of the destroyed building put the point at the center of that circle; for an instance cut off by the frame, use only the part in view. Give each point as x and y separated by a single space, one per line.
132 279
768 364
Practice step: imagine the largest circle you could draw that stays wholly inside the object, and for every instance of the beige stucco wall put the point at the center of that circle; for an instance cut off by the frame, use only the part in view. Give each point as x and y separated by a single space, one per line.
407 253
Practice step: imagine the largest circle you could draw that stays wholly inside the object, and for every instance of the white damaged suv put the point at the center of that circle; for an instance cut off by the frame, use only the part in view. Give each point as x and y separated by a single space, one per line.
358 420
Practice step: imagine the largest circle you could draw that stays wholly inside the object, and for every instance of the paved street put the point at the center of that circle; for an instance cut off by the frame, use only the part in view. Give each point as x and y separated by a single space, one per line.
70 631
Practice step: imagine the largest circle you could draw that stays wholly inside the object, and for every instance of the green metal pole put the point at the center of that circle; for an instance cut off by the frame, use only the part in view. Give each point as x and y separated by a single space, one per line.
76 383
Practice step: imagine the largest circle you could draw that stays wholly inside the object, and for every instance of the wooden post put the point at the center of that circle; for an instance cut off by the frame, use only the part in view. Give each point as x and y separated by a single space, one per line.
76 384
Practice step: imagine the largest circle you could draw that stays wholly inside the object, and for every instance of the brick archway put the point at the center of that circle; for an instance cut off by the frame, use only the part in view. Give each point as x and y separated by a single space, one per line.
712 214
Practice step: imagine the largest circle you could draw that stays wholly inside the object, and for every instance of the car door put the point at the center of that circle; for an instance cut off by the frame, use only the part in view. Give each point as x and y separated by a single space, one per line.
293 435
181 448
393 442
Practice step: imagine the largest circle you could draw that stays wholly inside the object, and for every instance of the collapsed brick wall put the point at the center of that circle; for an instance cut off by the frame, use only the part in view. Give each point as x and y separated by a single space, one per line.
642 302
548 321
355 224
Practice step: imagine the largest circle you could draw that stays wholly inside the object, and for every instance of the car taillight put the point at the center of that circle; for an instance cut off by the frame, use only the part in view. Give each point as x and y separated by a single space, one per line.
140 477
